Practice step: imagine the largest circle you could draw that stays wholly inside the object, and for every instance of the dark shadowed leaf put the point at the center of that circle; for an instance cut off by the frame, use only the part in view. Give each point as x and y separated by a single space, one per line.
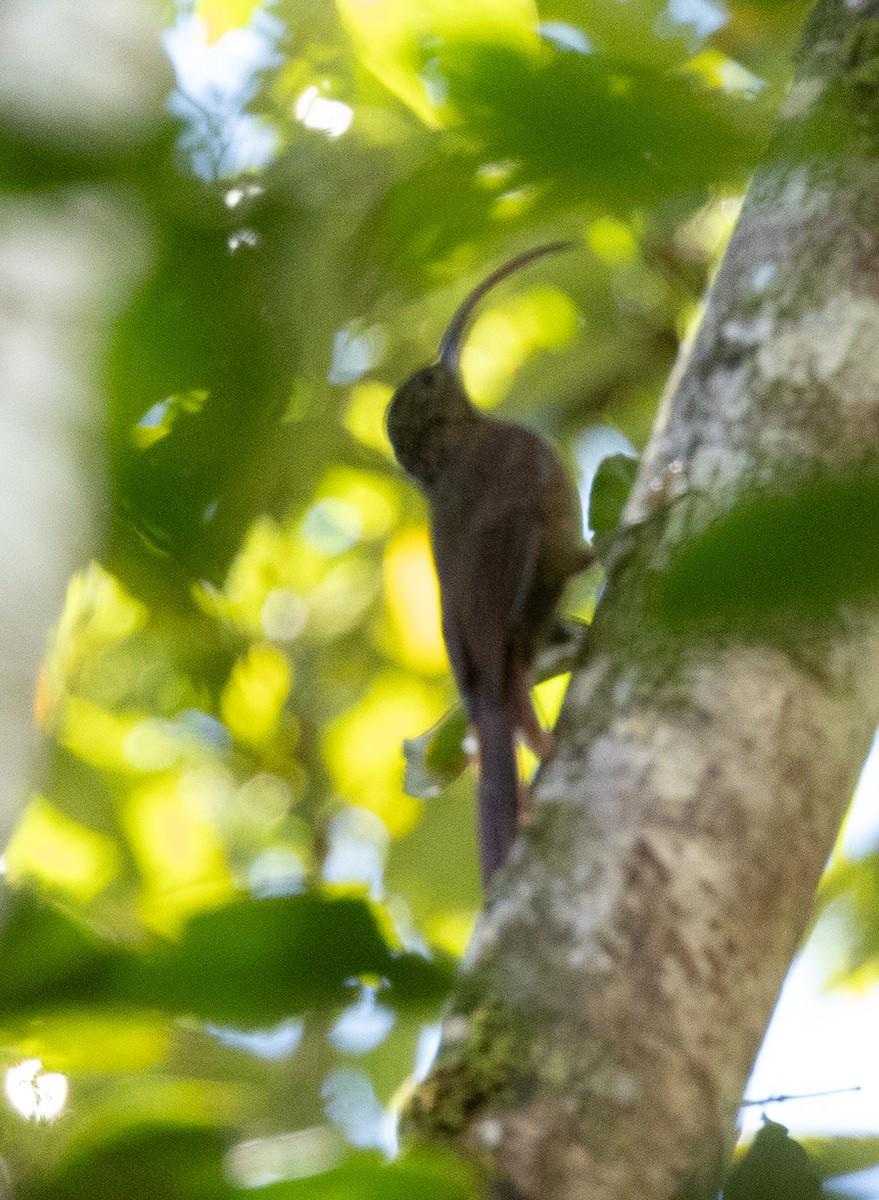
805 551
610 490
159 1162
251 962
254 962
775 1167
619 133
47 956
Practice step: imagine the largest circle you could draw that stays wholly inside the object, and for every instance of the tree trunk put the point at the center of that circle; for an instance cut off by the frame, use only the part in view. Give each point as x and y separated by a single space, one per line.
69 259
620 982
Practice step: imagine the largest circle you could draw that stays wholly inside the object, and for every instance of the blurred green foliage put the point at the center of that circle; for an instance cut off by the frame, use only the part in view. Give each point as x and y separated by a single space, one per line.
249 963
610 490
802 551
229 926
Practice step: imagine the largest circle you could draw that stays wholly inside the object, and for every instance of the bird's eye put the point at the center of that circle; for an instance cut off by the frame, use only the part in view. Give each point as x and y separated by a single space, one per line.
428 377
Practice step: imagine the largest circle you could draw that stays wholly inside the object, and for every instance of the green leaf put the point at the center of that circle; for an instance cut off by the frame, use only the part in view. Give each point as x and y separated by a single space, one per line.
804 551
161 1161
436 758
419 1175
48 956
775 1167
619 133
832 1156
256 961
252 962
166 1161
190 493
610 490
851 889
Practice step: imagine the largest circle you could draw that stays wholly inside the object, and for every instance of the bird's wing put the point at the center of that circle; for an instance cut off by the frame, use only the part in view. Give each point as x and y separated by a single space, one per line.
484 583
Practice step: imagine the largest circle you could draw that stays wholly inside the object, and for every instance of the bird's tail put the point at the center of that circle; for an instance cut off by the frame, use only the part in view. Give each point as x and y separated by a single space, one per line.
498 788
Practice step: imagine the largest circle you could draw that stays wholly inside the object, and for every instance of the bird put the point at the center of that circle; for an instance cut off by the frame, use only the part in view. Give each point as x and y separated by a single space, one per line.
506 529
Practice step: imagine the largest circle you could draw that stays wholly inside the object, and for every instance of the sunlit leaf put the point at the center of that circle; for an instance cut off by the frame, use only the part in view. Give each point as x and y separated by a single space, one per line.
362 746
395 40
269 560
96 736
344 596
719 71
451 931
412 595
365 415
505 336
97 609
374 497
549 696
255 694
418 1175
159 420
220 16
61 853
97 612
612 241
850 890
831 1156
178 849
104 1039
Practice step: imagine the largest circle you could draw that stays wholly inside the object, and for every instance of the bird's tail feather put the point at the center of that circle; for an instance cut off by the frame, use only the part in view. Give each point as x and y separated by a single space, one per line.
498 788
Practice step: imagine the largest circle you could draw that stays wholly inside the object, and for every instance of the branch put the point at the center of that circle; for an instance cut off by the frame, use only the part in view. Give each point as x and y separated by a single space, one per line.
619 984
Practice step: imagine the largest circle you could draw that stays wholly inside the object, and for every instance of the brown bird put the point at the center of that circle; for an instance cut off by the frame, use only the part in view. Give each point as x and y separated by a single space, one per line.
507 533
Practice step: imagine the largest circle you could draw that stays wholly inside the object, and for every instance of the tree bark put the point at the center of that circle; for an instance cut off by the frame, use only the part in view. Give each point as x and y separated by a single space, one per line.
69 260
620 981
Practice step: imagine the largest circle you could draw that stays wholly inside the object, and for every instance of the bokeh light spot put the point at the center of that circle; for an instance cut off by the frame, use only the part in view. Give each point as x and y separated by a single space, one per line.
505 336
612 241
179 852
37 1095
61 853
363 747
255 694
412 594
331 117
365 415
332 526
